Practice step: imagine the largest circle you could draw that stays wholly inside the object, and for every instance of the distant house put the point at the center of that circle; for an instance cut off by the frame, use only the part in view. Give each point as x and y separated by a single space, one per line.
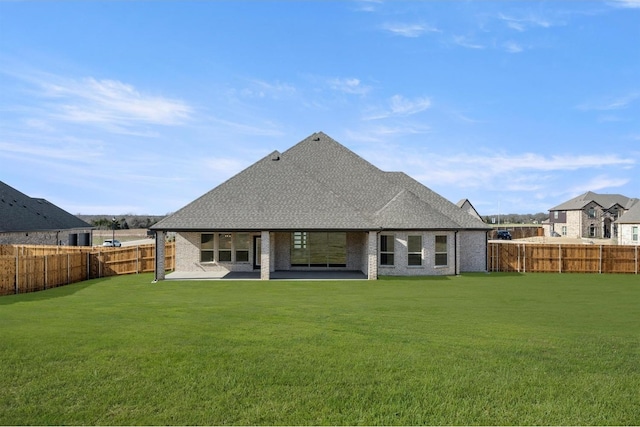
466 205
589 215
629 225
316 207
26 220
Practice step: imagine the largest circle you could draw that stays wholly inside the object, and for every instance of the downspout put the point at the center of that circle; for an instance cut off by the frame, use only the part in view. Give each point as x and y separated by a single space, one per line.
486 250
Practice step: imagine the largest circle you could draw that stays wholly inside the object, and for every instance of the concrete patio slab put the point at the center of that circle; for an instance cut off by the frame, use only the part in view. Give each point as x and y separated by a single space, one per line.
277 275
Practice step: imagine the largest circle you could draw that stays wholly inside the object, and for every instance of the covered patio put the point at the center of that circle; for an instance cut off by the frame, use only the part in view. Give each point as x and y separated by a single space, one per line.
276 275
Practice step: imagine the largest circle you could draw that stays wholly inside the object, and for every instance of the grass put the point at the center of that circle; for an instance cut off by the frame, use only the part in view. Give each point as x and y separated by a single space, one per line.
477 349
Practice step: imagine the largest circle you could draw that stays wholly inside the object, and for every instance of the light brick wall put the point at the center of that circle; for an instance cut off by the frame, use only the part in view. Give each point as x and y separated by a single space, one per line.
371 269
428 267
265 255
41 237
361 253
188 255
472 254
625 234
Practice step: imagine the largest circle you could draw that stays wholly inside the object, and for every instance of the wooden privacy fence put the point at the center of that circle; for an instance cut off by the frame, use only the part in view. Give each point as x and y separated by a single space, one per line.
30 268
550 258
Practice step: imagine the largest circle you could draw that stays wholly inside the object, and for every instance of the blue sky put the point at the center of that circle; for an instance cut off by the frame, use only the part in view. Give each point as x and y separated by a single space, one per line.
141 107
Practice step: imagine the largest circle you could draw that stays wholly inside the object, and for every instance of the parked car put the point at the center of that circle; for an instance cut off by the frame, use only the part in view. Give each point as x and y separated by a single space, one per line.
503 235
112 243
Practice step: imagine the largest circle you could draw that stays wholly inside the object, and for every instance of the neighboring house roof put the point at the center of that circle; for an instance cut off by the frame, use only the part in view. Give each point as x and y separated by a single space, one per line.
604 200
466 205
319 184
632 216
19 212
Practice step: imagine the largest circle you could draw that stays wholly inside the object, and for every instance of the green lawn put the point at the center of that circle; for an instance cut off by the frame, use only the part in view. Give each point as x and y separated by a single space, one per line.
477 349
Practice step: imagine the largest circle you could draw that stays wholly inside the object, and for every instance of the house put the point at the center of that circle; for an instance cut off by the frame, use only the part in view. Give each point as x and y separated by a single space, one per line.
589 215
26 220
317 207
466 205
629 225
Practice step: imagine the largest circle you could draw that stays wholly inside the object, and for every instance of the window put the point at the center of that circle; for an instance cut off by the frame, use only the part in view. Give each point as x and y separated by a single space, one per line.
242 247
318 249
591 213
441 251
206 248
414 248
386 249
564 230
224 248
555 214
592 230
634 234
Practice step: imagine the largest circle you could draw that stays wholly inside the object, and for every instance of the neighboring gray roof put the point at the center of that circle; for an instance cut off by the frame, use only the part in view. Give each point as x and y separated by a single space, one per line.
466 205
604 200
632 216
19 212
318 184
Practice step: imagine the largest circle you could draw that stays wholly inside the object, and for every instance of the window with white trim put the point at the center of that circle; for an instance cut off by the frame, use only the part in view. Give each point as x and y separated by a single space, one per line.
634 233
441 255
564 230
414 250
241 247
224 247
206 247
387 249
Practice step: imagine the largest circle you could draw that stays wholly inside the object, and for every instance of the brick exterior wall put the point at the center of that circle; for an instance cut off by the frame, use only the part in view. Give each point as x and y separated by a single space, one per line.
428 268
265 255
472 251
55 238
362 253
625 234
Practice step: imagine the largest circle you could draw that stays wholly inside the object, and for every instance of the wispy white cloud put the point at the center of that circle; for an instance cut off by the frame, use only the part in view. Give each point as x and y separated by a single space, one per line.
263 89
403 106
513 47
111 102
599 182
627 4
349 85
464 41
520 171
409 29
524 23
398 105
367 5
381 134
616 103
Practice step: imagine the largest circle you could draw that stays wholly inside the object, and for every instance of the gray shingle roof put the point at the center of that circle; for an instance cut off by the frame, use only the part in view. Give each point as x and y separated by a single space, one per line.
318 184
632 216
19 212
604 200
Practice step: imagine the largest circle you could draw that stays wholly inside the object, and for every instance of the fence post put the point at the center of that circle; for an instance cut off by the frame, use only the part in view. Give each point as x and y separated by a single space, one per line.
600 261
559 258
137 259
518 249
17 275
46 273
68 268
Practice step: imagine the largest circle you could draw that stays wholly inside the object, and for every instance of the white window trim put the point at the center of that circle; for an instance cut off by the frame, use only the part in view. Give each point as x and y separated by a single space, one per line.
380 252
421 252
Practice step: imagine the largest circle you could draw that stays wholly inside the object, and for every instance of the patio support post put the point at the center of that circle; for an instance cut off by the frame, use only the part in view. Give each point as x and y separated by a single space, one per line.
160 255
372 256
265 258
